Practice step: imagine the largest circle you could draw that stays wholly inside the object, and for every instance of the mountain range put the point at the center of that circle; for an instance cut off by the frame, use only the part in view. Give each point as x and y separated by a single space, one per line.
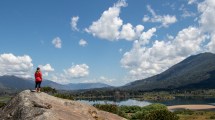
16 83
197 71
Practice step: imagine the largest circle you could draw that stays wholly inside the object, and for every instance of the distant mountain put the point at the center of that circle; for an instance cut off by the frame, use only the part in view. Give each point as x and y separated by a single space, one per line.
54 85
17 83
197 71
77 86
74 86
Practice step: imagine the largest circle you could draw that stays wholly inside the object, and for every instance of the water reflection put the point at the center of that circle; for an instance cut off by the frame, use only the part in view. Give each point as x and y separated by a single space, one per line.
131 102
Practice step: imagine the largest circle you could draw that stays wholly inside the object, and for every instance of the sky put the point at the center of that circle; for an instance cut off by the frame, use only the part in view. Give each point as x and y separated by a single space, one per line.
108 41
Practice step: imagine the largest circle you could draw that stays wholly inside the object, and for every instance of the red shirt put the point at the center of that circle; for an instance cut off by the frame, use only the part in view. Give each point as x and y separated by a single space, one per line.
38 76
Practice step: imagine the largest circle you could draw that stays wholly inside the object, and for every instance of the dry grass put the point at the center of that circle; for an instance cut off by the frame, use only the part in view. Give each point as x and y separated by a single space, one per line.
198 115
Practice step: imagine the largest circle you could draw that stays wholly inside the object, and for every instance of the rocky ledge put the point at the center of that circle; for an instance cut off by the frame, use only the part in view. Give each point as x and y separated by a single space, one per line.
29 105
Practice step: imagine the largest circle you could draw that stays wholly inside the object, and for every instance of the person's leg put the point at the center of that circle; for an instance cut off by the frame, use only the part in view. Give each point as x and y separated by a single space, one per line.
39 83
36 84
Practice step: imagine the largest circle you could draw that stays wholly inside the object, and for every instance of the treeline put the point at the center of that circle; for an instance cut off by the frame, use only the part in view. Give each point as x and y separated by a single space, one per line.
144 95
123 94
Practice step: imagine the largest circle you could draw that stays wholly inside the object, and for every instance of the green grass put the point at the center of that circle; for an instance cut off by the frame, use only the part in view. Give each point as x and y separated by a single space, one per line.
195 115
5 99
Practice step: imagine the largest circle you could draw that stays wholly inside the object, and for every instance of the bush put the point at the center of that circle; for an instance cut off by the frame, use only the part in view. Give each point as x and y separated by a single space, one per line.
139 115
64 96
48 90
107 107
161 115
150 112
155 106
130 109
2 104
212 117
111 108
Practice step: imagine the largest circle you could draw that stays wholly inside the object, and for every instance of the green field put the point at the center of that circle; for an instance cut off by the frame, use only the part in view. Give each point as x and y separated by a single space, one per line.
195 115
5 99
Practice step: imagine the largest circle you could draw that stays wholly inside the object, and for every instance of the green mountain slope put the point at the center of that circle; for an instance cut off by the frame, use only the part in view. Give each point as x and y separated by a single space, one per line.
196 71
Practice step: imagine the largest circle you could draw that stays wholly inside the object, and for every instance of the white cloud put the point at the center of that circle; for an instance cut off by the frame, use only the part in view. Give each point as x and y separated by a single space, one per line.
57 42
211 44
101 79
146 36
143 61
185 12
46 69
77 71
130 33
108 25
60 78
74 21
146 18
105 79
192 2
170 37
82 42
206 21
165 20
120 50
127 32
15 65
139 29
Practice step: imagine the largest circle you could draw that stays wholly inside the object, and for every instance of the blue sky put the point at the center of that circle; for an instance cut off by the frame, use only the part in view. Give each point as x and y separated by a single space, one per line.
112 41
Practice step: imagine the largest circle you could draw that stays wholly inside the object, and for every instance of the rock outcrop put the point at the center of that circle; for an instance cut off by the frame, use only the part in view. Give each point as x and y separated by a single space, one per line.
29 105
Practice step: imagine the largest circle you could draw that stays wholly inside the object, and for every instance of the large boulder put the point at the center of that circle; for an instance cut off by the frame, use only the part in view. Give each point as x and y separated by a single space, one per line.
29 105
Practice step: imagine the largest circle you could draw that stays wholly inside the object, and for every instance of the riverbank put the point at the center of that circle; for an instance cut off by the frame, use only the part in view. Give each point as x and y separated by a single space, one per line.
192 107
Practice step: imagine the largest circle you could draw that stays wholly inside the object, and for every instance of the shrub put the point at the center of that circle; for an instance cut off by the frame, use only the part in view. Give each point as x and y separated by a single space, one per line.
155 106
111 108
64 96
107 107
150 112
161 115
212 117
48 90
130 109
1 104
139 115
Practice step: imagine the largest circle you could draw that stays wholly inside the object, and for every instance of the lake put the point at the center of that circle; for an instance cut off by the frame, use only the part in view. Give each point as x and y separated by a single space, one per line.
131 102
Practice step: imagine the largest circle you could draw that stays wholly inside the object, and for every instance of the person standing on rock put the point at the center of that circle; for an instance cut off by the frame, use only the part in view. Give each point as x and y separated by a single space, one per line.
38 79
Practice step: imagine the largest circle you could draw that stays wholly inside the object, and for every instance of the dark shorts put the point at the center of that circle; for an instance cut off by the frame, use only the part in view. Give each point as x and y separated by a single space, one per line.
37 84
